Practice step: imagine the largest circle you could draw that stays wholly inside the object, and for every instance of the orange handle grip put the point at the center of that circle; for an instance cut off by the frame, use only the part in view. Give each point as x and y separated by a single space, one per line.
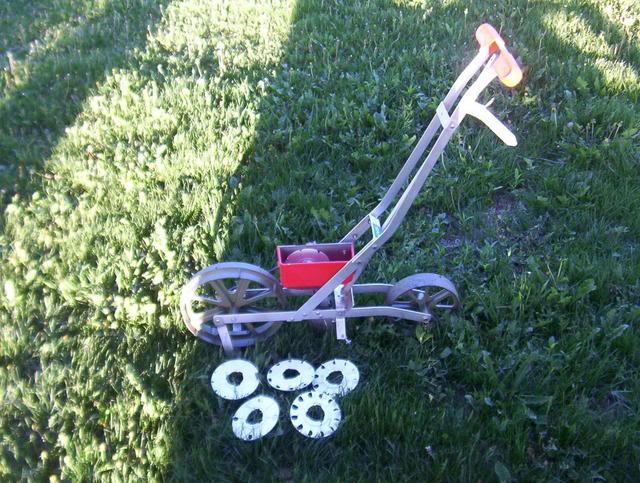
487 36
508 70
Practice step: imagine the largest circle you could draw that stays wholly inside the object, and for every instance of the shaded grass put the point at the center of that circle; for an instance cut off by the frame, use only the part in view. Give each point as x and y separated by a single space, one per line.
240 126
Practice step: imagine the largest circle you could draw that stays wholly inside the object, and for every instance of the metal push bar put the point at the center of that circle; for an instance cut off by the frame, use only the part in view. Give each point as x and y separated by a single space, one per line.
236 317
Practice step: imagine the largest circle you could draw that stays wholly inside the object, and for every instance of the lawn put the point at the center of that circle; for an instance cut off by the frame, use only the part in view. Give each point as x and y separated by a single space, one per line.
141 141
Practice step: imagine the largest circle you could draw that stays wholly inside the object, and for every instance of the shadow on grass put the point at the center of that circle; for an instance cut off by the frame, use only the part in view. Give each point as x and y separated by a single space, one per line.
57 53
355 84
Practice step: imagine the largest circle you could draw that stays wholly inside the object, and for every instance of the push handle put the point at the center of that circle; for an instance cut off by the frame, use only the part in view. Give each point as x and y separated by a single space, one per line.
508 70
483 114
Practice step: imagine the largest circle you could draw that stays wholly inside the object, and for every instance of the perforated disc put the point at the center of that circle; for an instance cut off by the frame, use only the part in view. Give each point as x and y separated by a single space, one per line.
224 388
276 377
350 377
310 426
249 431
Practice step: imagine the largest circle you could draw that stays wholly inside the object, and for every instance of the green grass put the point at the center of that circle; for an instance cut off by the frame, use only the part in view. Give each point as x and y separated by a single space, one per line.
140 142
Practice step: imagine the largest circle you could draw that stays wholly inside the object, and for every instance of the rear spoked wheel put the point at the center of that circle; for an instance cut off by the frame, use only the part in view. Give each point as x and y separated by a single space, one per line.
231 288
428 293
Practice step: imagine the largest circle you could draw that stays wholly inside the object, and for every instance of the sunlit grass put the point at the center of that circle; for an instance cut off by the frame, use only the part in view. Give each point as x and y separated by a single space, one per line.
618 73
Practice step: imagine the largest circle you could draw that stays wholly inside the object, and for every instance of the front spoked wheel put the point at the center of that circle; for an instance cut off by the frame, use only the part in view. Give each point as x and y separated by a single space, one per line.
428 293
231 288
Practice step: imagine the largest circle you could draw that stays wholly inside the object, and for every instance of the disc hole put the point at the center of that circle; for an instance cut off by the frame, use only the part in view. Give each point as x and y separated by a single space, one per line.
255 417
335 377
235 378
315 413
290 374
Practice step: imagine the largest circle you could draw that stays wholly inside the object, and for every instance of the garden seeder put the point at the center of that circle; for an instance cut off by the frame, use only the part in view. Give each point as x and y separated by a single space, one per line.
236 304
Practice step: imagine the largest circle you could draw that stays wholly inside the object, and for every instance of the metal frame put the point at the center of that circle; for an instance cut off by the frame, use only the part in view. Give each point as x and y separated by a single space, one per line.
343 293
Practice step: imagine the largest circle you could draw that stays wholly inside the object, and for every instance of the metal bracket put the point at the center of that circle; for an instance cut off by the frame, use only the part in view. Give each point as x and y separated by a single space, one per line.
225 337
376 228
341 329
443 115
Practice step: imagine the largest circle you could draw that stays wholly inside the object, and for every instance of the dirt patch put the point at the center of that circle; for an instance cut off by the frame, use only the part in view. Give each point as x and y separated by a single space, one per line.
504 209
449 242
494 222
503 203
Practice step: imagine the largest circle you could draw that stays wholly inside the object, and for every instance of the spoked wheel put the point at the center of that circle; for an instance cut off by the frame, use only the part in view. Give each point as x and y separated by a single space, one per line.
231 288
425 292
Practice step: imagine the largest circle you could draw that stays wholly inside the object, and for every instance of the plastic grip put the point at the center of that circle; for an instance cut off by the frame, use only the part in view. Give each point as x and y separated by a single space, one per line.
508 70
487 36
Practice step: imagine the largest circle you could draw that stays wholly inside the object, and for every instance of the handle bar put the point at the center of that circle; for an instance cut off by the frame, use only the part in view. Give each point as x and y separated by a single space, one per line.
508 70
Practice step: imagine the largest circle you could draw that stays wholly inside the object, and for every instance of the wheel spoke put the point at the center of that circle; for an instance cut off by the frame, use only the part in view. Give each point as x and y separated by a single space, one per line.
222 292
206 300
240 291
438 297
411 294
444 307
420 300
251 300
206 316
